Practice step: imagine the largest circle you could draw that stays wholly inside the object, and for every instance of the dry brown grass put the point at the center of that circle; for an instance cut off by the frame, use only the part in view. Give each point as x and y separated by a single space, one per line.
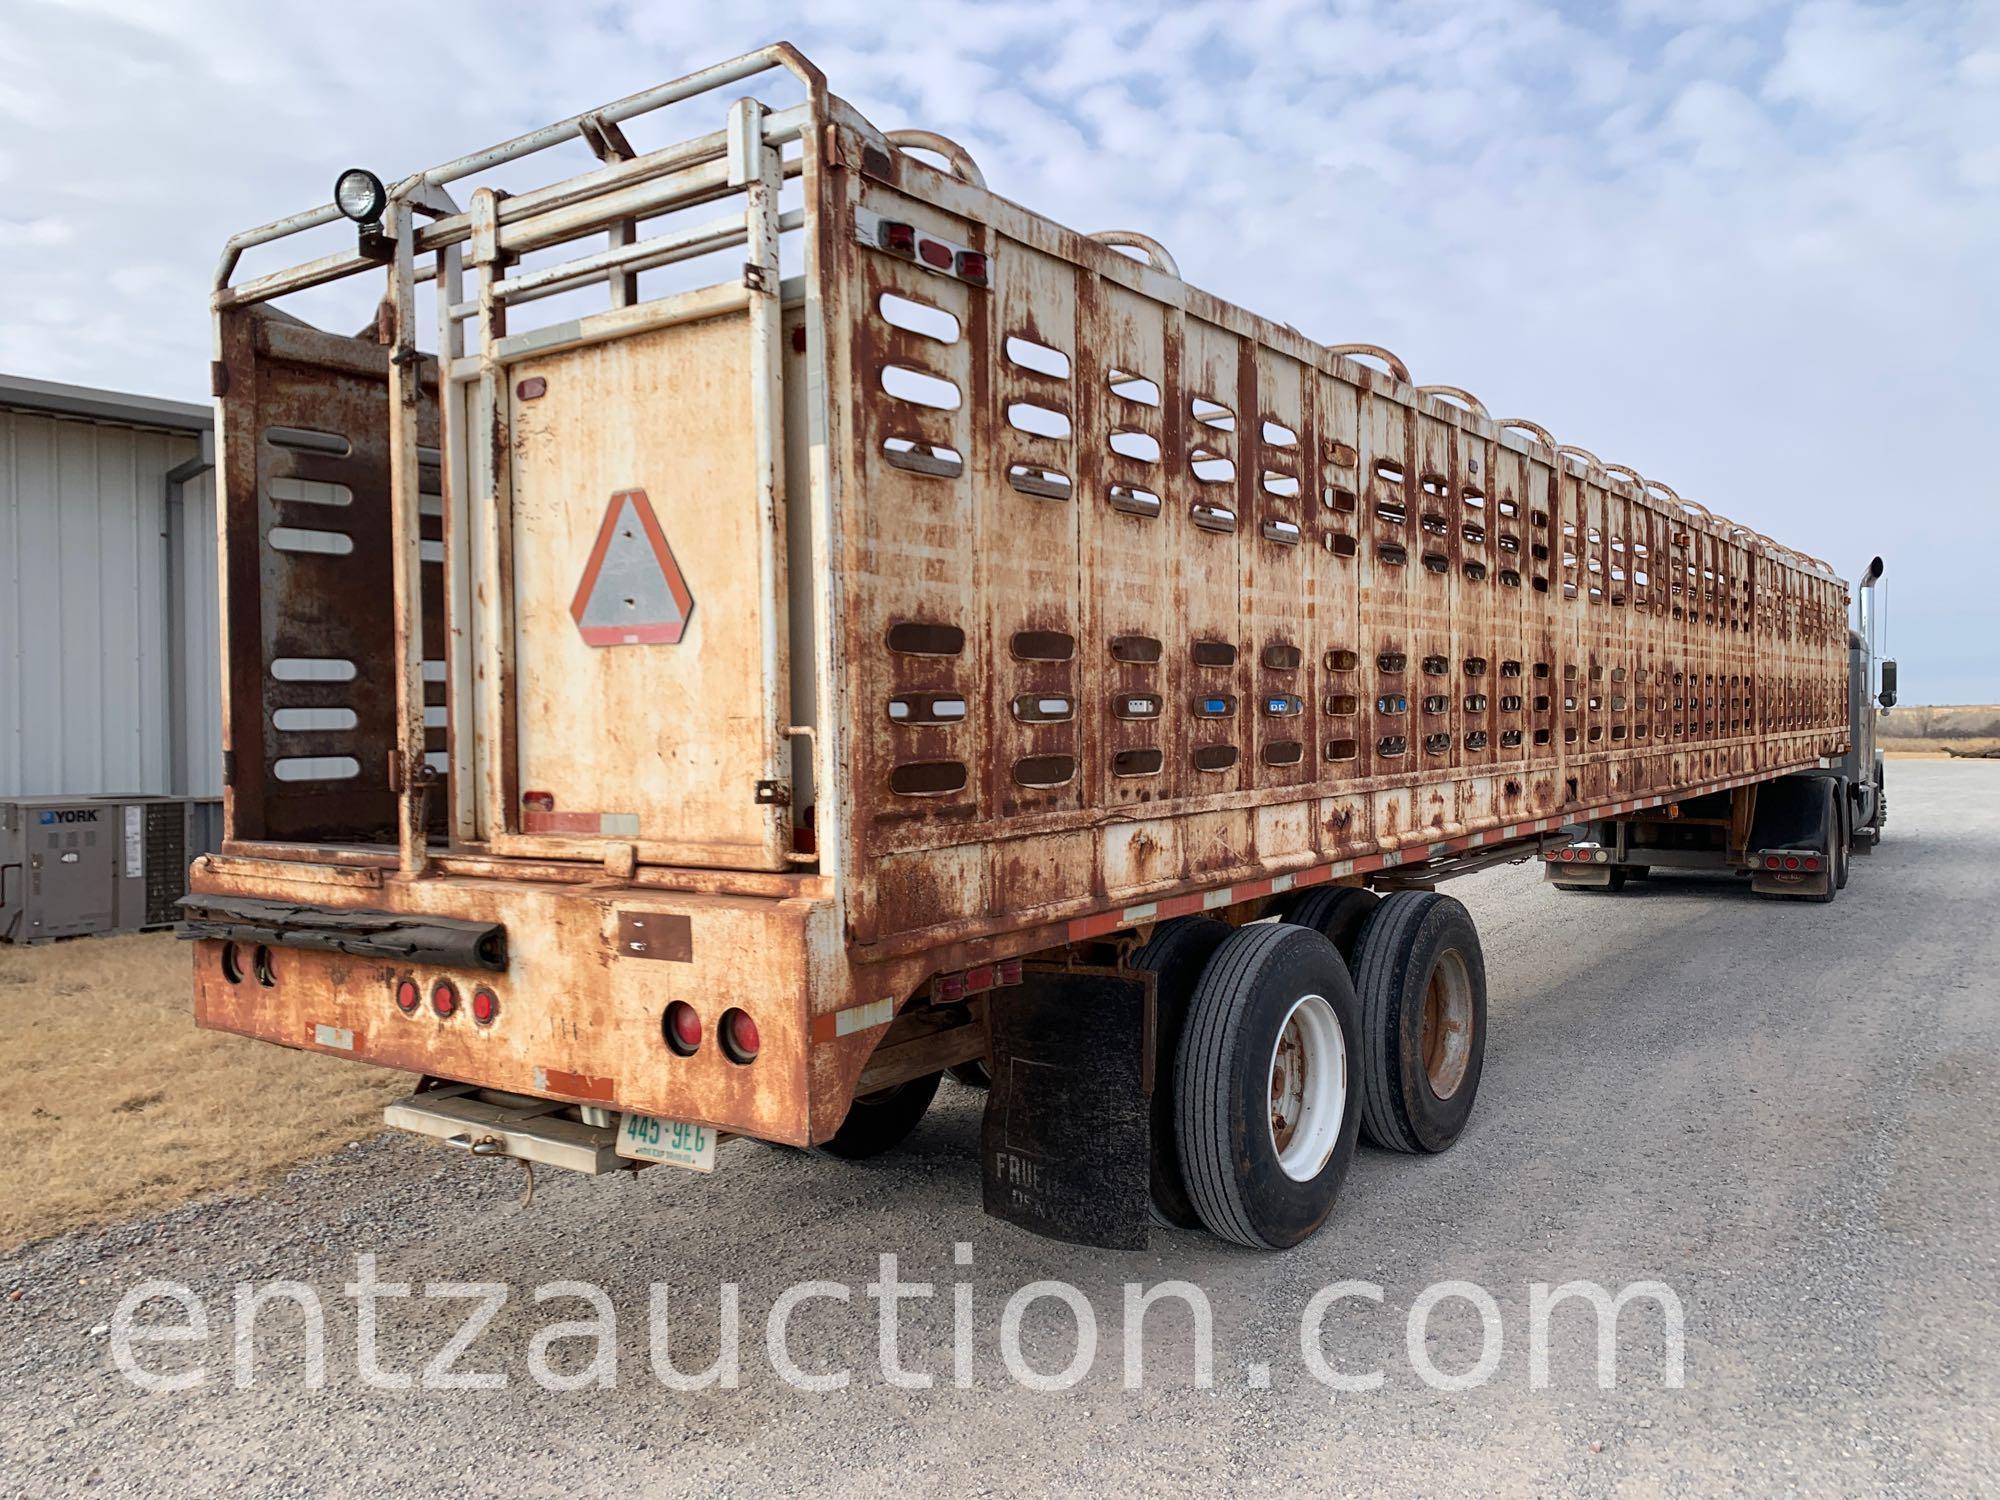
116 1104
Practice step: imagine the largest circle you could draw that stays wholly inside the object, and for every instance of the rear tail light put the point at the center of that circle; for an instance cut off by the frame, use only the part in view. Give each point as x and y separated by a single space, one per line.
1812 862
485 1006
972 267
444 999
739 1036
681 1027
1791 861
1771 861
897 239
408 996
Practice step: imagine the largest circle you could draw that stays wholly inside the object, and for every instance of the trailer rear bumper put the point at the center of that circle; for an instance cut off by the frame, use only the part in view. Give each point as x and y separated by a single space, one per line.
577 1012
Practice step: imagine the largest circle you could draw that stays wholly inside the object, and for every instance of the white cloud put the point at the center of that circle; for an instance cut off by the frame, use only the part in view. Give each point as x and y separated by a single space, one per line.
1744 245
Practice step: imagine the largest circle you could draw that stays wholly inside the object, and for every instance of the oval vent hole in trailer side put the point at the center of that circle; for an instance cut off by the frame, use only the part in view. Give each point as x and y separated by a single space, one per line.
309 492
1211 467
1038 421
927 778
1043 645
1340 749
1282 656
1040 359
1215 757
919 318
1129 442
1213 654
1044 708
312 669
1141 650
926 708
1134 388
1039 482
915 456
308 720
316 768
1145 762
1213 414
303 539
308 440
1278 435
1284 752
920 387
1131 500
915 638
1041 771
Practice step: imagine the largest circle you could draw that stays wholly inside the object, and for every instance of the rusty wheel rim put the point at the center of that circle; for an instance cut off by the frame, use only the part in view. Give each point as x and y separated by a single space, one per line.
1308 1088
1447 1026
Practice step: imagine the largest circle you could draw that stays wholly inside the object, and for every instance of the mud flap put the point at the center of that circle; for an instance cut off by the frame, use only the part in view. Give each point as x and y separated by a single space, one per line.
1065 1148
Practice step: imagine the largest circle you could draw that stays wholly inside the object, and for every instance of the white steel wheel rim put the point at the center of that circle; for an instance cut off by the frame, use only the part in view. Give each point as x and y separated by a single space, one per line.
1308 1088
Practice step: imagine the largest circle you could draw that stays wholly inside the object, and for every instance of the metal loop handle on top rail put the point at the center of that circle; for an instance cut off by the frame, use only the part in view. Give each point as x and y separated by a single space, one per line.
963 167
1459 394
1541 434
1131 239
1396 367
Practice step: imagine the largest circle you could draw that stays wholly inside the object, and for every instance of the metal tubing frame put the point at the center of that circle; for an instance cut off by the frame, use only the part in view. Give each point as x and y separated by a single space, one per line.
745 157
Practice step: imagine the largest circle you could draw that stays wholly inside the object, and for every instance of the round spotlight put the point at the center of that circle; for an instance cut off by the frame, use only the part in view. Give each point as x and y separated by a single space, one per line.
359 194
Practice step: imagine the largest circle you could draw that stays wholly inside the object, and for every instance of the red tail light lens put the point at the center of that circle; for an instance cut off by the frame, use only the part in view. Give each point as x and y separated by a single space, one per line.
485 1006
897 239
1771 861
1812 862
444 999
1791 861
739 1036
681 1027
972 267
408 996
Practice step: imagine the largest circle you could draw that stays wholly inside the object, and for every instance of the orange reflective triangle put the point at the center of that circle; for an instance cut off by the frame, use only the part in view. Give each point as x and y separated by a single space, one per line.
632 592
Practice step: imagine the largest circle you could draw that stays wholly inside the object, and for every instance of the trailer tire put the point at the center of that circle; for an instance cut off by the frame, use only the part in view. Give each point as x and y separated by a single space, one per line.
1337 913
879 1121
1176 954
1421 982
1274 1015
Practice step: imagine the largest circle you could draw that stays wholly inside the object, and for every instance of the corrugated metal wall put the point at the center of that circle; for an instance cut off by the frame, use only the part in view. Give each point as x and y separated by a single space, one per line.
90 559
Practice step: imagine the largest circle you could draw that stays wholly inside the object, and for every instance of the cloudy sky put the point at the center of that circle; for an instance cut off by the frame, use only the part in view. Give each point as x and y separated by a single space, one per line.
1748 248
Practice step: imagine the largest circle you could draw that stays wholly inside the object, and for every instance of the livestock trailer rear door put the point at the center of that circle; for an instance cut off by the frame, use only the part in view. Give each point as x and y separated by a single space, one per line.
638 626
647 607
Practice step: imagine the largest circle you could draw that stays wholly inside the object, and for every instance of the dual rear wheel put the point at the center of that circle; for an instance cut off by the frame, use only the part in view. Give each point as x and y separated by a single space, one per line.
1291 1049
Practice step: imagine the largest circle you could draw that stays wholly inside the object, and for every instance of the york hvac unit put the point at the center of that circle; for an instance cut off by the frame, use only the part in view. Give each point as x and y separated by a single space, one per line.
70 866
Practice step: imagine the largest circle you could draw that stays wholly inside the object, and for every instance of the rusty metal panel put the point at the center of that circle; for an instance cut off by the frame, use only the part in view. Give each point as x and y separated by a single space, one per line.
310 712
1357 618
650 737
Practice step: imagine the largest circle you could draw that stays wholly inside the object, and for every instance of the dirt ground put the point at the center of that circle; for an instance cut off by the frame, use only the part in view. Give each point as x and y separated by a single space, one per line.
117 1105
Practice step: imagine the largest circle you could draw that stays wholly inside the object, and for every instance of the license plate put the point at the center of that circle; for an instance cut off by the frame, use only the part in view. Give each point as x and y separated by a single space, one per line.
674 1143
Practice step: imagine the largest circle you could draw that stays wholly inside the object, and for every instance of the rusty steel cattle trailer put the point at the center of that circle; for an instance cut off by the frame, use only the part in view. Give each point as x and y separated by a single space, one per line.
889 633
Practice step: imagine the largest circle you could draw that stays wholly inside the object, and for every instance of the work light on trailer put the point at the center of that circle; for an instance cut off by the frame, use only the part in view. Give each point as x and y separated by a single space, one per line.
358 193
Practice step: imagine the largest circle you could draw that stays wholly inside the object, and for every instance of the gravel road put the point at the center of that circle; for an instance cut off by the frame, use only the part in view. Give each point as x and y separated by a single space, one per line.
1784 1112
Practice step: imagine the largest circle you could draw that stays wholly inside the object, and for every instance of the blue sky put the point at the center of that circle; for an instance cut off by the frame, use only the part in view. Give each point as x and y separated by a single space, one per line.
1746 248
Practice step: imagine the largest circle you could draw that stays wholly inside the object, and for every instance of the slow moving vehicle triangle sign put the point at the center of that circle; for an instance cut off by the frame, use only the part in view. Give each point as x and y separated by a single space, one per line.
632 591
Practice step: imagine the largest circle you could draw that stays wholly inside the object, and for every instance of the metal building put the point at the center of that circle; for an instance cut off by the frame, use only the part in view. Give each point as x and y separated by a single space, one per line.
110 678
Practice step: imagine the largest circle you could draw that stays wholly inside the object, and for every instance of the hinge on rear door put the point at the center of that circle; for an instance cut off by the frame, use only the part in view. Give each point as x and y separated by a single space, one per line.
753 277
776 793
